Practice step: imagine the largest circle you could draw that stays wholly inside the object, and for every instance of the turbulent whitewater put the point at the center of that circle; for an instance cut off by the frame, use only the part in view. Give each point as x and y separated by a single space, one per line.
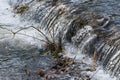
86 26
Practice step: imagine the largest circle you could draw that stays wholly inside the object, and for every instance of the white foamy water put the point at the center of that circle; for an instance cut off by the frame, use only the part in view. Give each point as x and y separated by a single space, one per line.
6 16
98 74
79 1
8 19
12 22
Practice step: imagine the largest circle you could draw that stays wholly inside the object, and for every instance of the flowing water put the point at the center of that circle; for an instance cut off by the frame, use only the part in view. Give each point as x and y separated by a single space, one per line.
75 20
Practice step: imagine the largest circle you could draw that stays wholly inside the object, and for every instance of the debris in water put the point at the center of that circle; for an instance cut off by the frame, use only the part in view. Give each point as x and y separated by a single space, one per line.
21 8
41 72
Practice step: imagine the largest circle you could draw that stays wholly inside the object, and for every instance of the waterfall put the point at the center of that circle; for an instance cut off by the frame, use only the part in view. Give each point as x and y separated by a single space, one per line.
77 23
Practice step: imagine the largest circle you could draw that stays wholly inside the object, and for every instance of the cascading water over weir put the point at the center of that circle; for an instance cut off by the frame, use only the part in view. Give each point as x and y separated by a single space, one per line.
89 25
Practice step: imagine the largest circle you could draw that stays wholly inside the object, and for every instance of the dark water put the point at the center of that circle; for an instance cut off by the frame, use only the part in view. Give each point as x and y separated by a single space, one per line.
21 64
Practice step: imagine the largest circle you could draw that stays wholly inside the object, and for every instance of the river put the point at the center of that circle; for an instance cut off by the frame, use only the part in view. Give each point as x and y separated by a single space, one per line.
19 53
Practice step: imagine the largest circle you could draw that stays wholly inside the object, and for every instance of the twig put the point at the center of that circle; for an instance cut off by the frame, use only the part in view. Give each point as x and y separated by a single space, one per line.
94 60
32 37
41 33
